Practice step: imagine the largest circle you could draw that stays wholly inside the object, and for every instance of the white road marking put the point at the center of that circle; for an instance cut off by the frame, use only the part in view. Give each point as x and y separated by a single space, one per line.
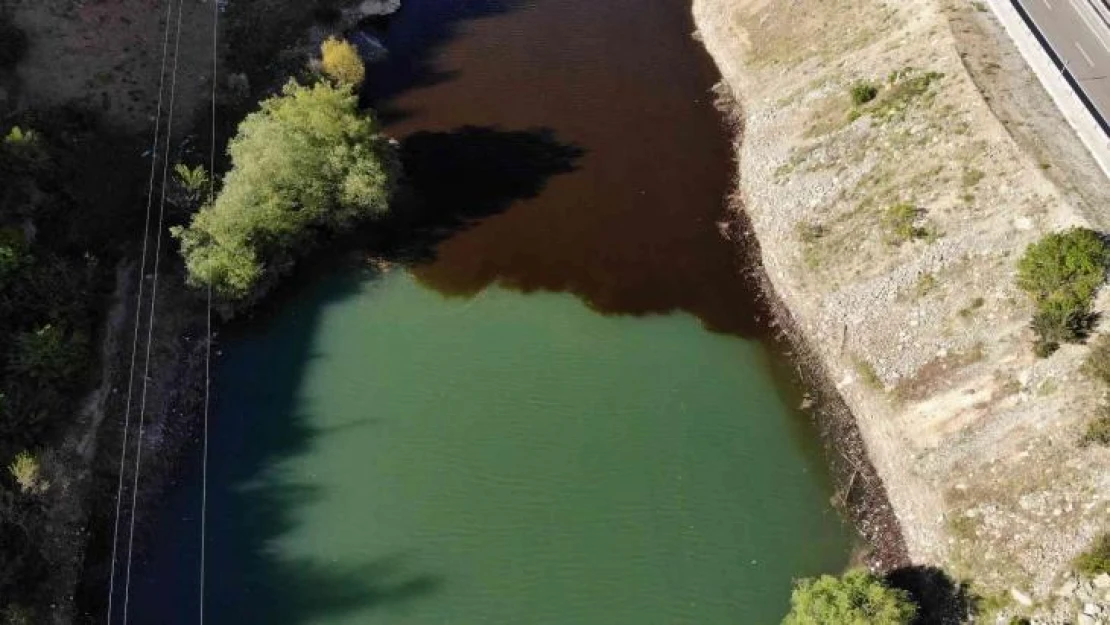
1047 4
1085 55
1084 12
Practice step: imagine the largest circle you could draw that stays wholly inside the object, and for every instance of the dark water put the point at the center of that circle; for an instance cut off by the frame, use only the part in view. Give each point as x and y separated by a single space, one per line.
618 90
470 441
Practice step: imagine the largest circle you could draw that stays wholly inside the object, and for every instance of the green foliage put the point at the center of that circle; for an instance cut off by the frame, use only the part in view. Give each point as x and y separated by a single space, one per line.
309 162
341 62
28 473
22 150
44 356
901 223
1062 272
863 92
907 87
193 181
1096 559
856 598
19 138
63 184
14 256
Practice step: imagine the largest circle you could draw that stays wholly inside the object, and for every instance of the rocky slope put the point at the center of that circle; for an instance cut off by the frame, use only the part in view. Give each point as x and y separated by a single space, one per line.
890 229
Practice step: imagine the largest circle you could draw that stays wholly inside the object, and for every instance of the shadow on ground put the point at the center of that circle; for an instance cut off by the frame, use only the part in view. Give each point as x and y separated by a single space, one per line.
942 600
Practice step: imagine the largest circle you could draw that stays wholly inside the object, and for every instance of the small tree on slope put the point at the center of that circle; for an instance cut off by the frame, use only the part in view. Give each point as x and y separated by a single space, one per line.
856 598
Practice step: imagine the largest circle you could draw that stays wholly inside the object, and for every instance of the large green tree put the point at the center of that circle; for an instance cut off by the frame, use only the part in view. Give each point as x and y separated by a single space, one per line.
309 162
856 598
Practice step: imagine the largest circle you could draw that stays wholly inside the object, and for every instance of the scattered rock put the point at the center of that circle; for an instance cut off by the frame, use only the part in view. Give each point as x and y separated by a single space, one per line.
378 7
1021 597
1102 581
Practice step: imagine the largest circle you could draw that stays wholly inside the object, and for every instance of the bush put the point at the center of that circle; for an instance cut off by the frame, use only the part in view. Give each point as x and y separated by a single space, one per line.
340 61
863 92
901 223
28 473
1095 560
13 255
1062 272
1098 432
43 356
308 163
856 598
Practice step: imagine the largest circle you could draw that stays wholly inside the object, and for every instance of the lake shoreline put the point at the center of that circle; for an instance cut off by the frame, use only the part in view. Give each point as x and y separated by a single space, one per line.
922 343
860 493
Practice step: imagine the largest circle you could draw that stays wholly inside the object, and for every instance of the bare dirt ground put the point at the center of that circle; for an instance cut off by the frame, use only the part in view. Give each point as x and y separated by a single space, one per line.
107 56
891 230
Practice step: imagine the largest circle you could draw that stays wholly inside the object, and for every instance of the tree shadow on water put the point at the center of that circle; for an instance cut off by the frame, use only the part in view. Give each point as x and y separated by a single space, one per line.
415 36
941 600
257 501
455 178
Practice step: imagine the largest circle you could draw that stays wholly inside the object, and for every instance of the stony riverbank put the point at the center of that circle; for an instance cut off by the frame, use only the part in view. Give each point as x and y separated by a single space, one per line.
917 323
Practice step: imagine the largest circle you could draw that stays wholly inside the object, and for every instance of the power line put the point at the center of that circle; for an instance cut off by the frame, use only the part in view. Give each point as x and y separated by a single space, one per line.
150 321
208 318
138 307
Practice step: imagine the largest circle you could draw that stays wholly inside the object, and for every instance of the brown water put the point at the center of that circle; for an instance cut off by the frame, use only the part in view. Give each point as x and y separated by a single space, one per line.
430 445
634 228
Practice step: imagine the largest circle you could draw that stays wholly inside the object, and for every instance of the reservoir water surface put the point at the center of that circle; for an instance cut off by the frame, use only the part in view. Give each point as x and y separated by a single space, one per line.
566 410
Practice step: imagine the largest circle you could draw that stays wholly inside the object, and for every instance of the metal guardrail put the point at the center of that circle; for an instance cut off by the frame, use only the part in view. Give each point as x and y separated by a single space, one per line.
1058 61
1102 9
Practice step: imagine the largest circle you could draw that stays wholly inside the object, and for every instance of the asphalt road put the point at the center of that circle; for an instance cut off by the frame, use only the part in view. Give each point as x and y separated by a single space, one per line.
1079 33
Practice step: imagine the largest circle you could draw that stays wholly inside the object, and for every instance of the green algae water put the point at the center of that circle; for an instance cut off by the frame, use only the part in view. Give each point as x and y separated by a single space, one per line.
385 455
561 411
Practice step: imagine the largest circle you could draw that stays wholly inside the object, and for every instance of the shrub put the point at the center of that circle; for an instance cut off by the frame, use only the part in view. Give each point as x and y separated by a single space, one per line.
809 232
1062 273
340 61
43 355
192 181
900 221
1098 431
28 473
856 598
1096 559
308 163
13 254
863 92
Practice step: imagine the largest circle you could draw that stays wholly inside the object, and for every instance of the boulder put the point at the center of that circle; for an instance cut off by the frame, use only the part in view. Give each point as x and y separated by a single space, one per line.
1021 597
